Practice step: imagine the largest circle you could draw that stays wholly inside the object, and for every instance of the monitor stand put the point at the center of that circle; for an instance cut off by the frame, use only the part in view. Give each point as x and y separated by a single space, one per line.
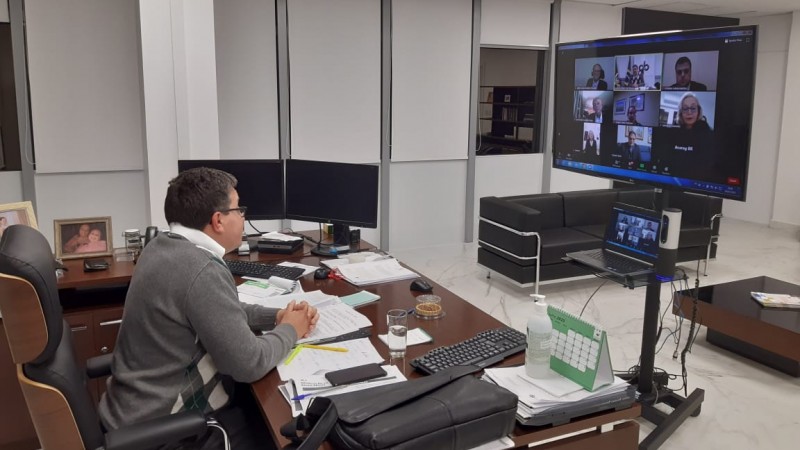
341 243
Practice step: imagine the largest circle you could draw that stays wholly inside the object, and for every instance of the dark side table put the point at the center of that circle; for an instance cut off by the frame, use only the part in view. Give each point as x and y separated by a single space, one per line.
740 324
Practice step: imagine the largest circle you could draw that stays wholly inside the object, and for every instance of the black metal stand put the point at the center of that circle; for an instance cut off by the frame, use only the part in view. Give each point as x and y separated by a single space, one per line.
650 393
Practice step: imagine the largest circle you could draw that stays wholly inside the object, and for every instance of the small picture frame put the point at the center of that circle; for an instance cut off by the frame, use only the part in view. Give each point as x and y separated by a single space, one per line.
507 98
83 238
20 213
621 106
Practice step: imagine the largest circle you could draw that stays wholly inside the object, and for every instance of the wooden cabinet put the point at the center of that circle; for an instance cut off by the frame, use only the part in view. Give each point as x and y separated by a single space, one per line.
506 119
94 333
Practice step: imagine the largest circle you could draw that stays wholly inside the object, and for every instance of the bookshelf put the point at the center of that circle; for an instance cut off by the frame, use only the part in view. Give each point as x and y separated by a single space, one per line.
506 117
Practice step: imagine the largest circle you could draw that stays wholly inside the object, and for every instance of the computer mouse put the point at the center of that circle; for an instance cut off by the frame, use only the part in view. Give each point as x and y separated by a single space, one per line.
421 285
322 273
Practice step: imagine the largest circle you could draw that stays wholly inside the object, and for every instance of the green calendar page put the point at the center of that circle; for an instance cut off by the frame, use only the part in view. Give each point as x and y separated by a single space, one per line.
579 350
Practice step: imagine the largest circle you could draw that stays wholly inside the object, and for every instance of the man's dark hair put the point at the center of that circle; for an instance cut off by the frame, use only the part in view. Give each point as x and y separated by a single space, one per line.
196 194
631 133
683 60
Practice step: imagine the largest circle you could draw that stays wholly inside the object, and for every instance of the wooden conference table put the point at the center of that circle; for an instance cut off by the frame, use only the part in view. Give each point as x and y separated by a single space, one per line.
462 320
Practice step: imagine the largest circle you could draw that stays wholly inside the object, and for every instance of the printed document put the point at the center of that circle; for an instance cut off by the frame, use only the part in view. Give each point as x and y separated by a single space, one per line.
311 361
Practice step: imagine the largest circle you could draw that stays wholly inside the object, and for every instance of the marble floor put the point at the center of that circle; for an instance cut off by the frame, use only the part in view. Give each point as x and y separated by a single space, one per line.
747 405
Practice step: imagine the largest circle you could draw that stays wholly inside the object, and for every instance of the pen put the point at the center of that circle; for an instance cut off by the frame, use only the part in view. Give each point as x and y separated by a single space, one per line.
323 391
323 347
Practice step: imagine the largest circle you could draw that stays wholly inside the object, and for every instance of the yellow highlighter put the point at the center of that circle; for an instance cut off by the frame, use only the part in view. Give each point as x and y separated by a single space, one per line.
324 347
292 355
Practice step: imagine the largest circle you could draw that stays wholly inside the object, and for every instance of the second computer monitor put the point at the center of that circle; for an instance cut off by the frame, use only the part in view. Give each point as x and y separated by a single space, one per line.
260 183
328 192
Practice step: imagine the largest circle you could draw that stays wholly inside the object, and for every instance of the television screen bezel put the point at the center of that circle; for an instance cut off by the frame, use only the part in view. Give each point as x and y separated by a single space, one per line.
637 180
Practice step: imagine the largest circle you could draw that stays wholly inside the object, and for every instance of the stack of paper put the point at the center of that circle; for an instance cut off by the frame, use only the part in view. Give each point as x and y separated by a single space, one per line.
374 272
360 298
536 396
343 260
318 362
276 236
299 392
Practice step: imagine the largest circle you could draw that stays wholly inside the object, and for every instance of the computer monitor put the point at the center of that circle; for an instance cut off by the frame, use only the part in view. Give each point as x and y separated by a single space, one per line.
339 193
672 110
260 183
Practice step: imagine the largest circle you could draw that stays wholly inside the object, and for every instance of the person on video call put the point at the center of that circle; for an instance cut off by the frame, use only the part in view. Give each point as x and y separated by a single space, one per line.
590 144
635 79
597 110
598 78
630 149
690 114
683 76
632 116
187 342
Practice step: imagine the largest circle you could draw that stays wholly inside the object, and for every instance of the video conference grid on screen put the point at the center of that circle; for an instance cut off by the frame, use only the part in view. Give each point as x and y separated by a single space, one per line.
670 109
634 233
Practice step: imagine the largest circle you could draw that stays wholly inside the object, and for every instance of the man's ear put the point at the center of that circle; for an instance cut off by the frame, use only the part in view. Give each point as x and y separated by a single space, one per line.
216 223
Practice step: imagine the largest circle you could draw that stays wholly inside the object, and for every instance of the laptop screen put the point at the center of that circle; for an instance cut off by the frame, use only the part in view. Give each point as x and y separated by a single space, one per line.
634 232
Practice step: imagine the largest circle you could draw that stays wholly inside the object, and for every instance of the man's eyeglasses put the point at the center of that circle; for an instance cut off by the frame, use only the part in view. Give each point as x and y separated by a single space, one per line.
241 210
691 109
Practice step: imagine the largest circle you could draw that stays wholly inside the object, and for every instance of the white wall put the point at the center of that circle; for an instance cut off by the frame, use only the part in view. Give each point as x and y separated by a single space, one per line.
247 78
787 186
83 69
158 91
515 22
10 187
773 47
431 57
584 21
195 78
4 11
335 79
77 195
427 203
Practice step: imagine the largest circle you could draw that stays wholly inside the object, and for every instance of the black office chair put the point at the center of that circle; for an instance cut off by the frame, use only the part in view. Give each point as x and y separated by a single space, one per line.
55 389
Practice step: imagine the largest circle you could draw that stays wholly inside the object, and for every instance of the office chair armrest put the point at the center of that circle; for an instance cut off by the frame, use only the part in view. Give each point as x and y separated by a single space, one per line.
99 366
157 432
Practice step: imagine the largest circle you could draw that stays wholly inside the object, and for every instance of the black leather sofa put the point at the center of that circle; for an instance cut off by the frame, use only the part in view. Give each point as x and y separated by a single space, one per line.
525 237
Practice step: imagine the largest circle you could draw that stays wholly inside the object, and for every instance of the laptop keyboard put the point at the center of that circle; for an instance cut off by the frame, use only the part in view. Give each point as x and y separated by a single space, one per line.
619 263
262 270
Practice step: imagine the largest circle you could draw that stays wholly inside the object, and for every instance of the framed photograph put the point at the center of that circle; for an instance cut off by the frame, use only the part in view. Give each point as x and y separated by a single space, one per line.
638 102
621 106
16 214
507 98
83 238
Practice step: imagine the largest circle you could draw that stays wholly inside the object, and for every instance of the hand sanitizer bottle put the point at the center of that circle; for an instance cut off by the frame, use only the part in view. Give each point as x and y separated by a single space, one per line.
540 330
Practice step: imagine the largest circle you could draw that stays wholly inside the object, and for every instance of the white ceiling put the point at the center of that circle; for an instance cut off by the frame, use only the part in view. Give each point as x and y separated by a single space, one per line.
726 8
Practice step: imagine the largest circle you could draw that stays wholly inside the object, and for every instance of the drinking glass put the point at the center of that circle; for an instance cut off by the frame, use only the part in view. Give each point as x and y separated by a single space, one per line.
397 320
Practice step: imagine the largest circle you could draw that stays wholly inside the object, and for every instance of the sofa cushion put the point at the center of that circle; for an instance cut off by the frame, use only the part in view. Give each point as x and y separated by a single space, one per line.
694 236
697 209
523 247
588 207
558 241
598 231
551 207
641 197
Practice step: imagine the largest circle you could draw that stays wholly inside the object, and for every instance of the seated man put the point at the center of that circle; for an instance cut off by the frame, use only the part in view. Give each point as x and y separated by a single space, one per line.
683 76
185 337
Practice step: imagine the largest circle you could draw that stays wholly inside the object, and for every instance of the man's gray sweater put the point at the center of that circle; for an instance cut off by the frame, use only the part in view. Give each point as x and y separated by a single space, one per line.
182 304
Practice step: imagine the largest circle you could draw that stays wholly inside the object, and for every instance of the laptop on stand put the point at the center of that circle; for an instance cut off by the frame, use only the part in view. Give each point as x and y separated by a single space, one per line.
630 247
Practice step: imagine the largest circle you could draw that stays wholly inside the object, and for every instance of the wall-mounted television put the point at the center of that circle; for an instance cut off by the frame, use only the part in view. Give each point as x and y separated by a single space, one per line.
672 109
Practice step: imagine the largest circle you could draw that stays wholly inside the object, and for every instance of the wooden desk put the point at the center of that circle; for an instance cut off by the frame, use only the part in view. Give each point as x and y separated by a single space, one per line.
462 321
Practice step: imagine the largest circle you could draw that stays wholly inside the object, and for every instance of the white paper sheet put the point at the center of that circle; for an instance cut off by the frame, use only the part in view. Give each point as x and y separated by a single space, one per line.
316 362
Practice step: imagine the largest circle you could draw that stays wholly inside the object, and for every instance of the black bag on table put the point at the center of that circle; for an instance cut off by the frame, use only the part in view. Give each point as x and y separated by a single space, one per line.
447 410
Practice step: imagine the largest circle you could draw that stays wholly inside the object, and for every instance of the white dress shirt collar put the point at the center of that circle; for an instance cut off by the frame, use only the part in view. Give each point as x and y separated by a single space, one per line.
198 238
